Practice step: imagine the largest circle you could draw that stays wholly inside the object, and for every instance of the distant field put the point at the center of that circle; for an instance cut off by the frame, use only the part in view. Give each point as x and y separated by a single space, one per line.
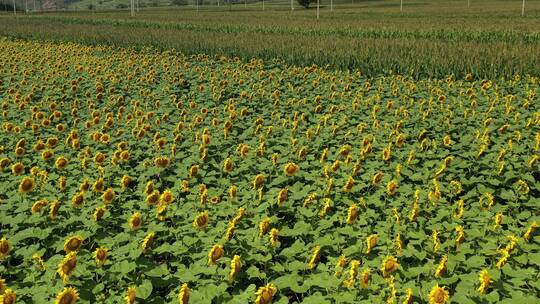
429 39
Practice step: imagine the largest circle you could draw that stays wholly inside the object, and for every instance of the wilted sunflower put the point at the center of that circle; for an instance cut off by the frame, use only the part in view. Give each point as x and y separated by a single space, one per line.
69 295
73 243
265 294
100 255
67 266
26 185
215 254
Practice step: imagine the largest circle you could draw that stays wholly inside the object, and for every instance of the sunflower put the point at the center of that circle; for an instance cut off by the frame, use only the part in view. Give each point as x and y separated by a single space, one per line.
364 278
227 165
98 185
282 196
131 295
183 295
215 254
77 200
274 236
61 163
438 295
16 169
2 286
99 212
391 188
441 269
26 185
201 220
377 178
352 214
485 280
108 196
69 295
5 248
53 209
389 266
530 231
315 255
73 244
353 273
265 294
371 242
148 241
8 297
149 188
236 265
193 170
67 266
135 221
153 198
460 235
232 191
167 196
258 181
349 184
100 256
264 226
37 206
291 169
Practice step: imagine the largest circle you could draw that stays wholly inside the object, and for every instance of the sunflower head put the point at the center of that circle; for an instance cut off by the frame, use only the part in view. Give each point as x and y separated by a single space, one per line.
265 294
131 295
183 295
26 185
69 295
5 248
135 221
8 297
291 169
389 265
108 196
67 266
352 214
148 241
215 254
73 243
227 165
438 295
167 196
371 242
201 220
100 256
236 265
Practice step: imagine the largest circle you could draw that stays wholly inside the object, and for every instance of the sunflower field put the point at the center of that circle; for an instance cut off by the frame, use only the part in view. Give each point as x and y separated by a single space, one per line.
152 177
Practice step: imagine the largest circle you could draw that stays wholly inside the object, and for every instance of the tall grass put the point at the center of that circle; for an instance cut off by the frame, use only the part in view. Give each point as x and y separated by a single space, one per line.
426 43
